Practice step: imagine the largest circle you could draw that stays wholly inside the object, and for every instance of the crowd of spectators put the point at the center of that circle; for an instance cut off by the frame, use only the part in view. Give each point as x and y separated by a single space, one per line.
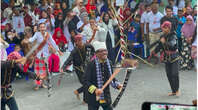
95 20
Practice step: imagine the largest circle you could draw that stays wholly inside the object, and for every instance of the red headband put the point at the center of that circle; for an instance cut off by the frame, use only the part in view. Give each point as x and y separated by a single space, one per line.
166 24
78 37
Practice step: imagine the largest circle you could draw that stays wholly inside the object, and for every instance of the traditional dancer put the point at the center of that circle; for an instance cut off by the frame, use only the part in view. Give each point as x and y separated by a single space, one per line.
9 69
80 56
97 73
44 39
168 44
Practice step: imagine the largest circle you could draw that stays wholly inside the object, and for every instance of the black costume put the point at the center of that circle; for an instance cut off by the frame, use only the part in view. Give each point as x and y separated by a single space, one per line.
91 79
8 74
80 58
171 57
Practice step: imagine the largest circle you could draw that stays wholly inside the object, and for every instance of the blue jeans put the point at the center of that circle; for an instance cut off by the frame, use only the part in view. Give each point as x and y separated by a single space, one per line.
11 103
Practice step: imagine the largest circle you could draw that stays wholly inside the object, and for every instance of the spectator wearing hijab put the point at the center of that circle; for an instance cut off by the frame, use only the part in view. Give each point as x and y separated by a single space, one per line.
59 38
187 34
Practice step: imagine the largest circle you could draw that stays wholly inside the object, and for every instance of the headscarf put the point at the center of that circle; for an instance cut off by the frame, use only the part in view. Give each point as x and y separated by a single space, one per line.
166 24
57 39
188 29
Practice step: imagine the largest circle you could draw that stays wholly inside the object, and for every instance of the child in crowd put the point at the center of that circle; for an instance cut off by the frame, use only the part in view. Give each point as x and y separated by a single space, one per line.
15 54
59 38
134 34
53 60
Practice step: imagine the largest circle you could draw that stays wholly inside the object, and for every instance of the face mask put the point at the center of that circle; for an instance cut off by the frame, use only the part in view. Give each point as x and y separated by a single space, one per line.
10 36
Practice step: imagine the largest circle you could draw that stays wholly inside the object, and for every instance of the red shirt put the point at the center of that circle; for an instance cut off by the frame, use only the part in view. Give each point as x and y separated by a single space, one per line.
54 61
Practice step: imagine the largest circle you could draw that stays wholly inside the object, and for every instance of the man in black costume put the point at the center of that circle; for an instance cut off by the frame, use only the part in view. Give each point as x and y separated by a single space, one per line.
97 73
9 69
80 56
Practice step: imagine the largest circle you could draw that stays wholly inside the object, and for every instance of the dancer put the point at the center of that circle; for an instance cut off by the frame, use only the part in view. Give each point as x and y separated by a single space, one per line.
44 39
80 56
168 44
97 73
9 69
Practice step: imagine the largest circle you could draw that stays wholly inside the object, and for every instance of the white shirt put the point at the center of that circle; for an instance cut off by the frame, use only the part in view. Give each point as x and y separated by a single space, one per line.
154 20
39 39
76 10
88 32
18 23
143 20
108 28
3 53
7 12
181 4
35 18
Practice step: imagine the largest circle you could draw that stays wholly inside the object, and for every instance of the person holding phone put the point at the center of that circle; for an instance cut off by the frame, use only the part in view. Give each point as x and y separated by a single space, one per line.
168 44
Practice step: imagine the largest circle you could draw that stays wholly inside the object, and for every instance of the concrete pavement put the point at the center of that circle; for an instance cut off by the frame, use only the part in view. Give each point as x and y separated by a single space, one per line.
145 84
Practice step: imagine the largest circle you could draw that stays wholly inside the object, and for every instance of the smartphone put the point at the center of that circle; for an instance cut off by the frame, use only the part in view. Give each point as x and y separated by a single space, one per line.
166 106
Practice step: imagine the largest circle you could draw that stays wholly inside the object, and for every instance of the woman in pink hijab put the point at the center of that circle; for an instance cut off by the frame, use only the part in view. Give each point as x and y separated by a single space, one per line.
187 30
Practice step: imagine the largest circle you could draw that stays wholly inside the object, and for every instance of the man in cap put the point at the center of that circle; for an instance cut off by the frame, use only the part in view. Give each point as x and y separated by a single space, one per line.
97 73
79 57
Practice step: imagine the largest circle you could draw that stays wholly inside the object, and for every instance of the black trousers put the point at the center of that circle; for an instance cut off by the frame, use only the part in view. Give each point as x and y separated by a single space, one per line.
80 78
11 103
104 106
172 72
82 88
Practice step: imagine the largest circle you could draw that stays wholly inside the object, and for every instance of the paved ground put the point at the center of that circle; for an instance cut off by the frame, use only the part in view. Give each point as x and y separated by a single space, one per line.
145 84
